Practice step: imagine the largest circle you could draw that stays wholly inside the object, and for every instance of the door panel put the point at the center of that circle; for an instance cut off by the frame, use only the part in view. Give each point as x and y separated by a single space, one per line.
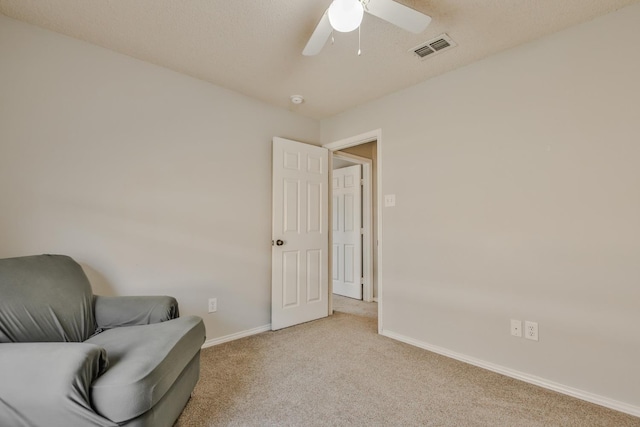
314 275
314 207
347 238
290 206
299 283
291 282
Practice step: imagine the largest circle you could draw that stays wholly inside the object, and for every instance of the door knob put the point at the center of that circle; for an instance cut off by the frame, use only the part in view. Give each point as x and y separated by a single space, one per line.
279 242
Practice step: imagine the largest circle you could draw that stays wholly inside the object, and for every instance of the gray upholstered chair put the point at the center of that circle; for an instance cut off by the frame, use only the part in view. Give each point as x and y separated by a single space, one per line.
69 358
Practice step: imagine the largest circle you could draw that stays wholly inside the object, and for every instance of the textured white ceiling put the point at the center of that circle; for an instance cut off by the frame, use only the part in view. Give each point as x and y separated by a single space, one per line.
255 47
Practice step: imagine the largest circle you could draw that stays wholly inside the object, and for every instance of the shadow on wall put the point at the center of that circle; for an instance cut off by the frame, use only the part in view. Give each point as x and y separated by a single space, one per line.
99 283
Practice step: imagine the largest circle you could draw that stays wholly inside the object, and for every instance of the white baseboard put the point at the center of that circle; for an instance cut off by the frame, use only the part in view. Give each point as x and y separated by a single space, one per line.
236 336
531 379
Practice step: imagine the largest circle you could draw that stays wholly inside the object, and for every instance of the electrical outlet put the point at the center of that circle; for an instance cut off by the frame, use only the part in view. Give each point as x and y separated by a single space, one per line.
213 305
516 328
531 330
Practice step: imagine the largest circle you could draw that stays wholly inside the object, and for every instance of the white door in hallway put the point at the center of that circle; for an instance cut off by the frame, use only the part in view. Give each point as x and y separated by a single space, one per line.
347 235
299 282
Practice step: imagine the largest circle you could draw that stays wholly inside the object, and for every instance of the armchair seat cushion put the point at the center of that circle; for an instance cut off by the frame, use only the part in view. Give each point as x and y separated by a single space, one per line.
145 362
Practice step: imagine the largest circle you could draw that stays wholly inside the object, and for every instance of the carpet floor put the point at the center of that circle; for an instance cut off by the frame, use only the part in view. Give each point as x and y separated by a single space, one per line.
338 371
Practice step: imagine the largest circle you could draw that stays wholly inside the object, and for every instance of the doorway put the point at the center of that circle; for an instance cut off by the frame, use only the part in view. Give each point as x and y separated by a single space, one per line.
364 149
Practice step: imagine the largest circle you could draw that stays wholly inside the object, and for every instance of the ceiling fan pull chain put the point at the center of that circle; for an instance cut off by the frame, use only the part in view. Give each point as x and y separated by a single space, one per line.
359 51
332 39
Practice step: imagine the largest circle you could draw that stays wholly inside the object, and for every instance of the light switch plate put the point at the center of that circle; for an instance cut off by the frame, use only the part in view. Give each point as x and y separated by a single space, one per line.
389 200
516 328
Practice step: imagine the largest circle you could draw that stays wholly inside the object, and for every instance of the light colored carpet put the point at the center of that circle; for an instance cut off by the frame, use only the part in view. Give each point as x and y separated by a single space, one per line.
353 306
338 371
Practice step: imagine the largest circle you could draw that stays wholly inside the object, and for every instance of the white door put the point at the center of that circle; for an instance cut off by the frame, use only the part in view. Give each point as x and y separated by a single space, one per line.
299 282
347 236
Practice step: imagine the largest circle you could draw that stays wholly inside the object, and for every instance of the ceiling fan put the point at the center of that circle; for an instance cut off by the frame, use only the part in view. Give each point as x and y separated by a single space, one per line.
346 16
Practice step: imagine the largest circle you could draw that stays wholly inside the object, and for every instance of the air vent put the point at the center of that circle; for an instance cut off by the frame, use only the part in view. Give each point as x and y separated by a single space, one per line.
439 44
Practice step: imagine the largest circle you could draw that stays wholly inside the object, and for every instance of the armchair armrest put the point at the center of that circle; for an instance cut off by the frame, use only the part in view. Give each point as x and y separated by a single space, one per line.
112 312
49 383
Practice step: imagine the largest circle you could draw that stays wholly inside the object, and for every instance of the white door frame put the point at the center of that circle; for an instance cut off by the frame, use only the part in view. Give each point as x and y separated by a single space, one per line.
367 221
363 138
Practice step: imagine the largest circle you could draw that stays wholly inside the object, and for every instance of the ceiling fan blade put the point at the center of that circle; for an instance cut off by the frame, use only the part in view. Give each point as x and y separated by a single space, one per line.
319 37
399 15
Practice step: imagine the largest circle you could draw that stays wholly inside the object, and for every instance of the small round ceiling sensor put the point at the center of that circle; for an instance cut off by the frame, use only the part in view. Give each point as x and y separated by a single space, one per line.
297 99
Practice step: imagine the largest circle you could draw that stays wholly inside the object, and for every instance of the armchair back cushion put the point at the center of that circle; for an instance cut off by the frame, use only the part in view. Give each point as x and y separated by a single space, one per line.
44 298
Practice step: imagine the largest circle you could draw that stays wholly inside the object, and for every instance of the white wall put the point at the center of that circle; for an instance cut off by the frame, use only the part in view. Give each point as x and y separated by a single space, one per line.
155 182
517 188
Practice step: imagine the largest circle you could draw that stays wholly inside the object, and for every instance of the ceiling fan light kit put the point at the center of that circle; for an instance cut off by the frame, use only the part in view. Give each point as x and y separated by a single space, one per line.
345 15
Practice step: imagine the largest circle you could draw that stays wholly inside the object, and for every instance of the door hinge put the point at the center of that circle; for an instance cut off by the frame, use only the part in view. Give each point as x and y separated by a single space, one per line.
362 231
362 280
362 182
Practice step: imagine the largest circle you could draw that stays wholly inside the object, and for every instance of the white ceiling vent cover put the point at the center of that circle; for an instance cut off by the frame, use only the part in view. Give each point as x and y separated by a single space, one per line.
436 45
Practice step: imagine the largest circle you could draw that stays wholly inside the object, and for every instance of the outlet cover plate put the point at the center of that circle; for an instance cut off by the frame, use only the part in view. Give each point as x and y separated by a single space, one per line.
531 330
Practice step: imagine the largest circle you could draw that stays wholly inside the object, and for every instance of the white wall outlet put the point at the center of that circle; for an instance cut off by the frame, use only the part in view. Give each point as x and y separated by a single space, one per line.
516 328
531 330
213 305
389 200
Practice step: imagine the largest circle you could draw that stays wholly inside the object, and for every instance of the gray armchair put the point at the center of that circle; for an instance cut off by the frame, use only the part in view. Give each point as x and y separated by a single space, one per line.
69 358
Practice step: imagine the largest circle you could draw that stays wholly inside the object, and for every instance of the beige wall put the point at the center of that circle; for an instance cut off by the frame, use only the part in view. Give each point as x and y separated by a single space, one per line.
155 182
517 189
